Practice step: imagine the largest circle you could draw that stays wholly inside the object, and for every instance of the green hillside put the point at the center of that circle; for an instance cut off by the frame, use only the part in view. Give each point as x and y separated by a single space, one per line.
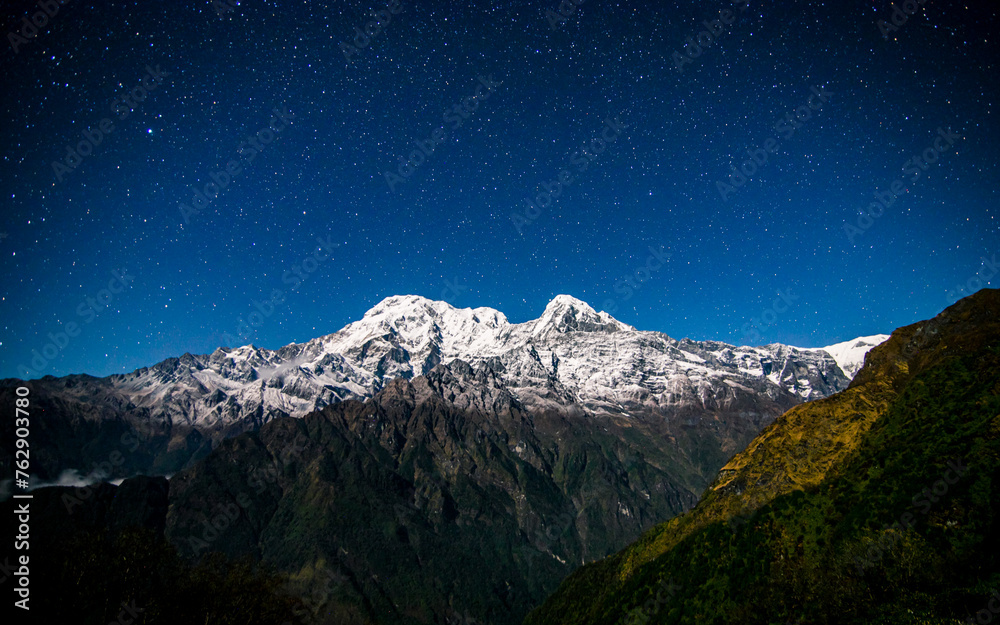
877 505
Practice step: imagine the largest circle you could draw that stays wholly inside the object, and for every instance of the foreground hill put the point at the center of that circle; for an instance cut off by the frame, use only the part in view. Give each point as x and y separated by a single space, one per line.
880 504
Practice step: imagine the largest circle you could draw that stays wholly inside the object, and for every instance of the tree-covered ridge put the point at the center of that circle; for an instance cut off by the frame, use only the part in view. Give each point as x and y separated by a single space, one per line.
884 510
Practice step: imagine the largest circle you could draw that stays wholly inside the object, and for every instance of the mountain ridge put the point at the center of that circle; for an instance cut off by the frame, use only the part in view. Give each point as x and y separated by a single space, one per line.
571 358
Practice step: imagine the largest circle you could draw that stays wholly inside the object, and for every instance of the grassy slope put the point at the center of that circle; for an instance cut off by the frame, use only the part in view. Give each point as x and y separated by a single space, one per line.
794 527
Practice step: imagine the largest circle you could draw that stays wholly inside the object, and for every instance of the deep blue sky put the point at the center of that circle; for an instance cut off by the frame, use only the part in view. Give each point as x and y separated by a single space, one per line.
451 220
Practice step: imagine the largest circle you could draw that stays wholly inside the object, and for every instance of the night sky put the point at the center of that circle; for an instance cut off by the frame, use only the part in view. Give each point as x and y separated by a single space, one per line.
400 163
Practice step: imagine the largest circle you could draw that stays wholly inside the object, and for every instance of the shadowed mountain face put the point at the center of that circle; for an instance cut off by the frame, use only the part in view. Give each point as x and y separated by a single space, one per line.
877 504
572 360
441 497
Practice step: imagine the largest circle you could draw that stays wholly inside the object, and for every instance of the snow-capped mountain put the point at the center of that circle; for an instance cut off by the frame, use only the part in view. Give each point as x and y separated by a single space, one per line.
571 355
571 359
850 355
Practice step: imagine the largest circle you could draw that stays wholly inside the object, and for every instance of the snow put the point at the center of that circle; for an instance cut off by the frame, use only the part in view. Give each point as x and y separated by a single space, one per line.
691 356
571 354
850 355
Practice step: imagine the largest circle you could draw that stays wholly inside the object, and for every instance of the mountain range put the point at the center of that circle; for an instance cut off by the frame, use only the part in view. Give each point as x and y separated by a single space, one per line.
377 469
571 359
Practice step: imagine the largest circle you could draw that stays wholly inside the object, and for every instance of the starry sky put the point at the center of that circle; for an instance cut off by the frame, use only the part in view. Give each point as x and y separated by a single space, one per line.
491 153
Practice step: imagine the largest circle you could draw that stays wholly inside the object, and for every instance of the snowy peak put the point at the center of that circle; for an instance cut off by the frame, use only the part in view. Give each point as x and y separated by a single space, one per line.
850 355
407 335
560 302
565 313
400 305
396 310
